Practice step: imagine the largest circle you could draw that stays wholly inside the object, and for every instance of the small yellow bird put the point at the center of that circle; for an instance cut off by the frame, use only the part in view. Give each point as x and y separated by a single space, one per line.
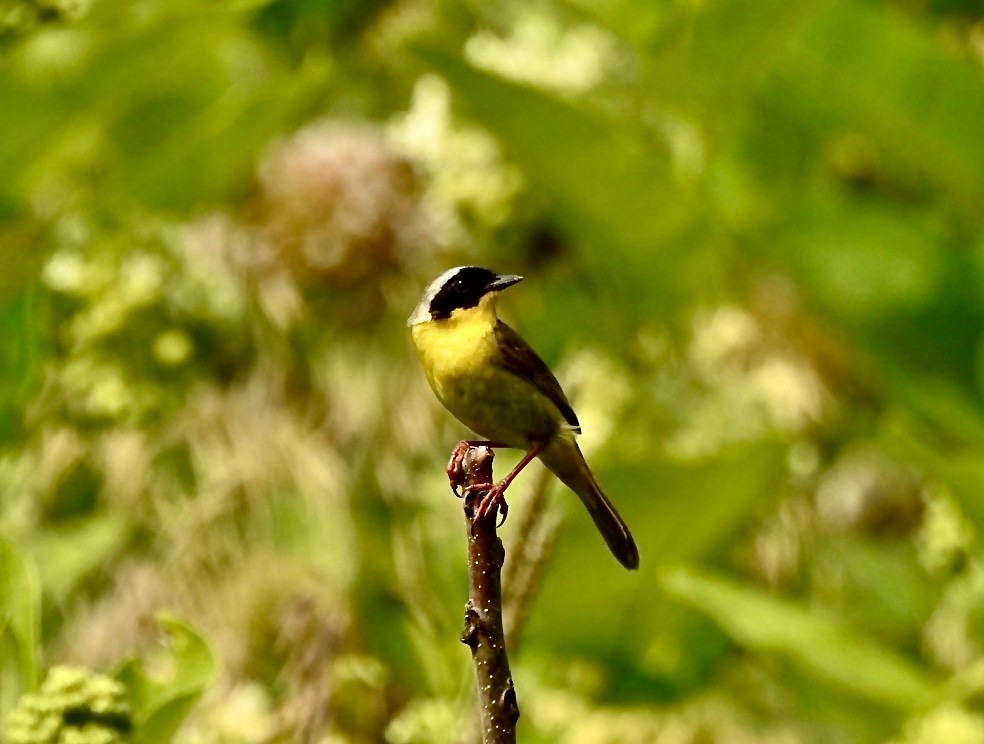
494 383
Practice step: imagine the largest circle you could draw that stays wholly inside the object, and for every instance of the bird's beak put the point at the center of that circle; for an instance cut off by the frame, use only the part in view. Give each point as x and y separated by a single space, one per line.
501 282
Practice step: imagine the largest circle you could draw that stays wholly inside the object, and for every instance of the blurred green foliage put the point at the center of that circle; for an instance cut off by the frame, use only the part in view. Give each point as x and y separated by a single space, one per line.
753 239
71 705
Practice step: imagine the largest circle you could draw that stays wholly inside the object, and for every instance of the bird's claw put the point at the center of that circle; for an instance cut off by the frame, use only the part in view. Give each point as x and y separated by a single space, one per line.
456 468
494 499
494 496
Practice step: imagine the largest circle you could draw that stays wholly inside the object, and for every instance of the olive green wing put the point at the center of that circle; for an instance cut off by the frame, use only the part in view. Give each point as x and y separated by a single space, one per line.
522 361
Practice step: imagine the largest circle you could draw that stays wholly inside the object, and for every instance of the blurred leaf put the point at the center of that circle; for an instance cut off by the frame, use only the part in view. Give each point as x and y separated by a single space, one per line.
691 510
719 51
824 647
884 590
639 22
931 422
20 624
614 195
160 707
960 468
843 715
24 254
890 78
964 474
24 342
888 278
863 262
677 512
78 105
71 552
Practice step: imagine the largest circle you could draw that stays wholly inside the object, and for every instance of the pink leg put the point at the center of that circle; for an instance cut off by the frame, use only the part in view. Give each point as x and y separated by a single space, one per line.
456 473
494 497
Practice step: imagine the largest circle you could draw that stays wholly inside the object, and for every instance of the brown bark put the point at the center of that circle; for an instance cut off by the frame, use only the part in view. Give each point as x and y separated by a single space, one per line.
483 632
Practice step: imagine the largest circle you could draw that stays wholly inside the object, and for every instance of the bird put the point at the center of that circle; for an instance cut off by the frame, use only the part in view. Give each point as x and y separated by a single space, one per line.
490 379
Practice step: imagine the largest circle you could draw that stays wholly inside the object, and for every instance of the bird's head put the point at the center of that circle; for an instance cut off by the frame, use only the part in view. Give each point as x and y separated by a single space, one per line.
460 288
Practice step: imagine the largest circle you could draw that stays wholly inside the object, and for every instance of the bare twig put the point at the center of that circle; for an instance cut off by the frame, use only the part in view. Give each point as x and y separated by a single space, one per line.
483 632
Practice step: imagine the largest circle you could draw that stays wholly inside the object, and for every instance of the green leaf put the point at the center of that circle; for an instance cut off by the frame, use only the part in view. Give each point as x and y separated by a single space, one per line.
20 613
160 707
824 647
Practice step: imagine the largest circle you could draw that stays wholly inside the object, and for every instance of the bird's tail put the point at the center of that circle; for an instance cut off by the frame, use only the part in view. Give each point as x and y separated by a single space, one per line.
564 459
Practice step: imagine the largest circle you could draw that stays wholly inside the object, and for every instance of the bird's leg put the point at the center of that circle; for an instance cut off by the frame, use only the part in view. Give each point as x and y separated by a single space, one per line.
494 497
456 473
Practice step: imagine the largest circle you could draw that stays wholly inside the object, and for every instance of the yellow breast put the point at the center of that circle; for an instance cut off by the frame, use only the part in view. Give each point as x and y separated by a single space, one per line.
463 364
462 346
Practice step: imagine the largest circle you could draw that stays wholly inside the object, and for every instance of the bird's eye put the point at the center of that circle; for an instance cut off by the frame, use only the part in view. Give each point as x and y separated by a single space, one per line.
458 285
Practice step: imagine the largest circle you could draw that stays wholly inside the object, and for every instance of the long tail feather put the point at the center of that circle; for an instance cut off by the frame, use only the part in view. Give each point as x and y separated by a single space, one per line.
564 459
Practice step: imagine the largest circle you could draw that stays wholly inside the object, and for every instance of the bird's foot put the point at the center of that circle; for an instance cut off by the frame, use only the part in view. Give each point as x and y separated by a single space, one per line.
456 467
492 500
